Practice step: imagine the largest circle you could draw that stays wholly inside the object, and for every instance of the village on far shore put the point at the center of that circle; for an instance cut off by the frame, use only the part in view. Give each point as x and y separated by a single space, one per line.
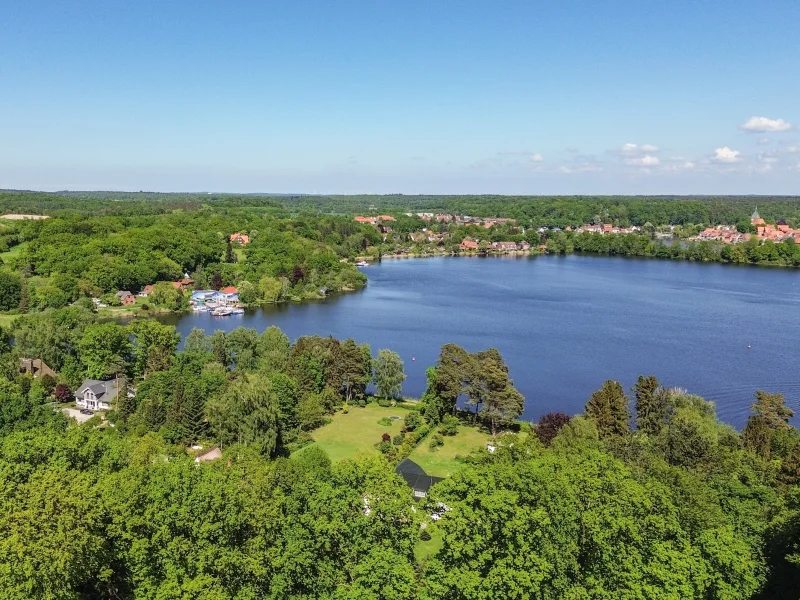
726 234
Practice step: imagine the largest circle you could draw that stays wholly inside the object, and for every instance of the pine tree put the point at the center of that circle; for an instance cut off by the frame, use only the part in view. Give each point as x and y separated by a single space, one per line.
757 436
194 421
772 408
24 297
608 409
176 413
651 407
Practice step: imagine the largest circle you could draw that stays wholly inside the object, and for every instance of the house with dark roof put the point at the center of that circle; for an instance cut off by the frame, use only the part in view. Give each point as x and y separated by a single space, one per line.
415 476
98 394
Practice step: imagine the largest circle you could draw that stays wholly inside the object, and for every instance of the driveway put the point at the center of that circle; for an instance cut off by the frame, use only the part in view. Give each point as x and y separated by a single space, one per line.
76 414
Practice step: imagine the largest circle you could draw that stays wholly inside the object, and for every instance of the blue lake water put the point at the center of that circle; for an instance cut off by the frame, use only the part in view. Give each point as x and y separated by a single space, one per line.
566 324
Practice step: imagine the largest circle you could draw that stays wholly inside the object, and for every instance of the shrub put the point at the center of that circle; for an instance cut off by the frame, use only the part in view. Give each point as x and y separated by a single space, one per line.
63 393
385 421
412 421
145 306
398 439
425 535
436 441
386 437
449 425
345 409
385 446
384 402
49 383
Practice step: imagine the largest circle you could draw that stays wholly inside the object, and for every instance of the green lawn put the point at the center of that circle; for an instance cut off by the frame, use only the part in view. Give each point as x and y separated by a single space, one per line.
5 320
442 462
357 431
424 550
15 251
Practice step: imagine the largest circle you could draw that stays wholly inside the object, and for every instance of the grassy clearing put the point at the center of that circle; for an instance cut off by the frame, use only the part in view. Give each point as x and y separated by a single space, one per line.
442 461
424 550
114 312
15 251
5 320
357 431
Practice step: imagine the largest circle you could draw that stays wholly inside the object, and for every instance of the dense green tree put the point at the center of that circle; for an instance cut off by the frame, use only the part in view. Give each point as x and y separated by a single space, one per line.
497 400
166 295
105 349
608 409
389 374
651 407
10 290
773 409
247 413
154 345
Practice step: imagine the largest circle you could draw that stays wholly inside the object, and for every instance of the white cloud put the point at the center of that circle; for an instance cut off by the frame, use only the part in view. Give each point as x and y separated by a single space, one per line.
765 124
726 155
764 140
644 161
536 157
686 165
629 148
792 149
649 148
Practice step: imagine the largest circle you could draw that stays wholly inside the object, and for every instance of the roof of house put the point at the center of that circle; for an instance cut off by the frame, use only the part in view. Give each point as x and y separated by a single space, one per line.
105 390
35 366
415 475
209 455
229 290
124 293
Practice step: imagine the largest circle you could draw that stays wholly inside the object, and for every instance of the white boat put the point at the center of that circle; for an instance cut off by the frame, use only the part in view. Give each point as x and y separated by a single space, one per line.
223 311
362 263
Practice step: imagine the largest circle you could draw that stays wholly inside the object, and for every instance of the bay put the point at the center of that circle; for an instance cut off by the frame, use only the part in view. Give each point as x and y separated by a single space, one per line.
566 324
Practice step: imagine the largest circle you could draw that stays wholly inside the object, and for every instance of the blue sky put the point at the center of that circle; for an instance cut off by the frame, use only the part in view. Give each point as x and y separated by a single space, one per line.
456 96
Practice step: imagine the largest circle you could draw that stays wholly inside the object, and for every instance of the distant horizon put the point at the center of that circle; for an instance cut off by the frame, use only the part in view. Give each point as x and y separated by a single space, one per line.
379 194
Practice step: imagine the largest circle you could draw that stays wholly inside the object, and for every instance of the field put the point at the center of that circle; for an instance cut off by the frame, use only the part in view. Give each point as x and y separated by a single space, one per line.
442 462
357 431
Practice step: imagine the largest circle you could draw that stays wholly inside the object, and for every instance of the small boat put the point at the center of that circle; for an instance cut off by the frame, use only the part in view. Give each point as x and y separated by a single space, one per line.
200 308
237 311
222 311
362 263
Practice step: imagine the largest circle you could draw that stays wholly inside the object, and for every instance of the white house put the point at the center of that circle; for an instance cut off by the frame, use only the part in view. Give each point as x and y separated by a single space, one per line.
99 395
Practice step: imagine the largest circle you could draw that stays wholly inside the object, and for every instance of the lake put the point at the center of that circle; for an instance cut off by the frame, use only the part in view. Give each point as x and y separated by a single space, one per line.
566 324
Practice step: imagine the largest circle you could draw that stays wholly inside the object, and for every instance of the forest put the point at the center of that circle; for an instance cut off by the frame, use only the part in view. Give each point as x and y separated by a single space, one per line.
644 495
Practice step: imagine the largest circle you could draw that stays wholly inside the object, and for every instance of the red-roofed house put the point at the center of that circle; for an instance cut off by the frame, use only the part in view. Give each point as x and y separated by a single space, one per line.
184 284
469 245
386 218
229 290
148 289
242 238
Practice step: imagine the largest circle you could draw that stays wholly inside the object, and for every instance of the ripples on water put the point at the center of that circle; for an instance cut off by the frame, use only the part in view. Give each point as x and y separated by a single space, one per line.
565 324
